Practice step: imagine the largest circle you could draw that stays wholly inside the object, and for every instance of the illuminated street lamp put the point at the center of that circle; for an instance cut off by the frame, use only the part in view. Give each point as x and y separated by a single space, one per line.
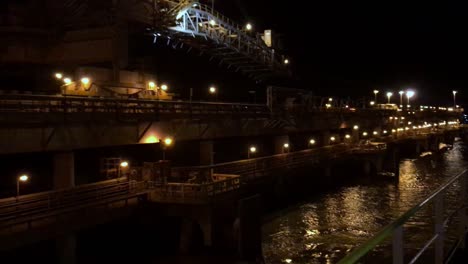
356 127
21 178
389 95
401 97
212 22
85 81
409 94
67 80
248 27
454 98
375 95
167 143
214 92
372 102
285 147
122 167
312 142
151 85
59 76
252 151
286 61
164 87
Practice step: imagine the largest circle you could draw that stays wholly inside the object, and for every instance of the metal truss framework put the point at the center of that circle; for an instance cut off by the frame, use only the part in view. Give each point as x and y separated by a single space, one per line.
218 36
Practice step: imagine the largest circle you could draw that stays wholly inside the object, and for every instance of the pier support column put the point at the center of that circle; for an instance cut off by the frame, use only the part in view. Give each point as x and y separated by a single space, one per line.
250 228
64 170
66 249
279 142
206 153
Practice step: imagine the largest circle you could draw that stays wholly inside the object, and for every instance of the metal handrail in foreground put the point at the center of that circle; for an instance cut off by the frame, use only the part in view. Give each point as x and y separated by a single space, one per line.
395 229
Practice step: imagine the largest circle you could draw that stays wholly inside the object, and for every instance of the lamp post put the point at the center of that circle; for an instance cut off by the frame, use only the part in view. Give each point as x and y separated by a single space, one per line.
401 98
21 178
214 92
285 147
375 95
389 95
122 166
311 142
252 151
167 143
409 94
454 98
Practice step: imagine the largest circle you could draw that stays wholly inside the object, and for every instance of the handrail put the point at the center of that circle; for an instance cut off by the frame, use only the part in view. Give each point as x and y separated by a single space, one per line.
389 230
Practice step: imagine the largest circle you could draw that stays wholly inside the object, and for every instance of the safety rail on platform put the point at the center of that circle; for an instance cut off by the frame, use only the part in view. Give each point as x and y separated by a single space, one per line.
74 104
396 228
195 193
33 207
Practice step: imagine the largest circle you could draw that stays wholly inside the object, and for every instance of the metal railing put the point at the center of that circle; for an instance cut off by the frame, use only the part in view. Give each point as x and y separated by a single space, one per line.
396 228
73 104
31 208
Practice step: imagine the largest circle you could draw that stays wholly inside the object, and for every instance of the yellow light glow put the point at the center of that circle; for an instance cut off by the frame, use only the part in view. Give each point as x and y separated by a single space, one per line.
124 164
348 136
164 87
151 85
385 132
67 80
375 133
356 127
372 103
332 138
253 149
376 91
286 61
312 141
23 177
168 141
248 26
85 80
286 145
364 133
151 139
288 260
212 89
58 75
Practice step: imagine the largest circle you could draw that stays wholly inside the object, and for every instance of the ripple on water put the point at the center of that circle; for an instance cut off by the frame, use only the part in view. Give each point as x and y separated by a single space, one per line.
327 228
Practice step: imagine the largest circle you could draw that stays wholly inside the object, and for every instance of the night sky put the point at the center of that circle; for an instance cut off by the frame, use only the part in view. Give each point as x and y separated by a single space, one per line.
352 48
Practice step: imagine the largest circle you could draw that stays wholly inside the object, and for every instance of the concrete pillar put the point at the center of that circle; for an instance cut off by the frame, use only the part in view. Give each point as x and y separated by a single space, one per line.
355 135
325 138
367 167
250 235
279 142
206 153
66 249
64 170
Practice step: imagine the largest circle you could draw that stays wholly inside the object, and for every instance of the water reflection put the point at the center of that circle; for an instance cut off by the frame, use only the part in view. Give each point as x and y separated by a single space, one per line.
324 230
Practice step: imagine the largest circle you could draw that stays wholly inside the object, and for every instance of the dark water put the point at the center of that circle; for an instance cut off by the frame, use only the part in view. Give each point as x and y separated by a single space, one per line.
326 228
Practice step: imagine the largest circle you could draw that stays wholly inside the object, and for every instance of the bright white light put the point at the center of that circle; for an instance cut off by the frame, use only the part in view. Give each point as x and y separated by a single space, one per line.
253 149
58 75
410 94
164 87
376 91
364 134
286 145
454 92
212 89
168 141
330 99
151 85
67 80
312 141
401 92
248 26
124 164
332 138
85 80
385 132
212 22
348 136
372 103
375 132
356 127
23 177
286 61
